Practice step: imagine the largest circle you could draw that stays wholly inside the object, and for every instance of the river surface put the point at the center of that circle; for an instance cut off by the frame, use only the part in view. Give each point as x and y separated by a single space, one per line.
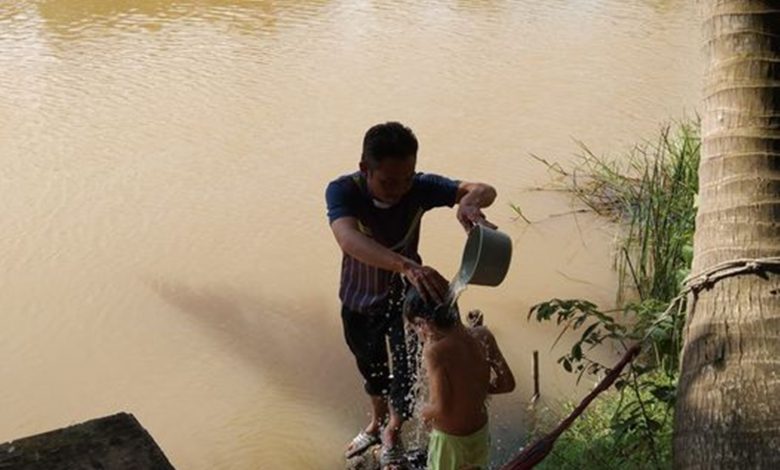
164 248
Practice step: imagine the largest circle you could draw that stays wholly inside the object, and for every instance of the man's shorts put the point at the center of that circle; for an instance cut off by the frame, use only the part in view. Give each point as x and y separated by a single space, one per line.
368 337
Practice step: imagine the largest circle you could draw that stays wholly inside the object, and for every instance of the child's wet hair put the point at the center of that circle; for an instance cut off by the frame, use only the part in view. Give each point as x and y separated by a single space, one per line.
416 307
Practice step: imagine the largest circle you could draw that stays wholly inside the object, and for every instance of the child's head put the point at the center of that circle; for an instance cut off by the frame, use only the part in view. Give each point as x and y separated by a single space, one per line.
388 161
424 314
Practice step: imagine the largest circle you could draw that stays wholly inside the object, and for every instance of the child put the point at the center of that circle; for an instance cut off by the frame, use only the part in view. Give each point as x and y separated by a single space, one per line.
463 365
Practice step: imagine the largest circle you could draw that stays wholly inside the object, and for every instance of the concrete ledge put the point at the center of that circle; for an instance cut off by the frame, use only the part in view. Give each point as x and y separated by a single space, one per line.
116 442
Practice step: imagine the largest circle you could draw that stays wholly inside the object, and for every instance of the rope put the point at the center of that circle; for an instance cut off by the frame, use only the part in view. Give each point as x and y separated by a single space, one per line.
708 278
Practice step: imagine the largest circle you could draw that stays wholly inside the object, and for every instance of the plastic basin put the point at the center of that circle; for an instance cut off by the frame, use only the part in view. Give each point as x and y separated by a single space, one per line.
486 257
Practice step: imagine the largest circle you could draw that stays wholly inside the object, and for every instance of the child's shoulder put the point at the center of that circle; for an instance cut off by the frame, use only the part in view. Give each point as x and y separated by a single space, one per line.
485 337
481 332
443 346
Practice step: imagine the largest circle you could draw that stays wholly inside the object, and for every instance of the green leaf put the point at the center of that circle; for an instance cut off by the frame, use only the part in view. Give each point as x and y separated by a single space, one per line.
586 337
576 352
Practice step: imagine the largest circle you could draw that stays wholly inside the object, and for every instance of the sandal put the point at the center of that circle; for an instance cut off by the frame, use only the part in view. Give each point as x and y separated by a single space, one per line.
361 443
392 457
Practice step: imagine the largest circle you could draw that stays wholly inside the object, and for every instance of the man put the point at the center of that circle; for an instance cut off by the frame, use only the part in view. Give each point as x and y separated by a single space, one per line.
375 216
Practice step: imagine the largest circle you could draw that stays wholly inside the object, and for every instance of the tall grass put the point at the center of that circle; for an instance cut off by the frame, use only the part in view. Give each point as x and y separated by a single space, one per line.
650 193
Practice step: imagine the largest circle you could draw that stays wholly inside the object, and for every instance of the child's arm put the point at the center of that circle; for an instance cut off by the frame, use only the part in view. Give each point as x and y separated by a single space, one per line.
438 386
504 380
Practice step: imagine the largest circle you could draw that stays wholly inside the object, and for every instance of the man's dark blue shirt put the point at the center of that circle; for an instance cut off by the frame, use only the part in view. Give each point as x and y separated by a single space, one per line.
365 288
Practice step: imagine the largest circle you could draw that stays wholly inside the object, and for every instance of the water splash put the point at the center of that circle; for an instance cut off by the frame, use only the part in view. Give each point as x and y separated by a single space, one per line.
457 286
419 393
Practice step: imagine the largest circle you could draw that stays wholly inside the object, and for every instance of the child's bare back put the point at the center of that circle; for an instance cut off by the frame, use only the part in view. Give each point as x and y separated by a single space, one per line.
464 366
459 378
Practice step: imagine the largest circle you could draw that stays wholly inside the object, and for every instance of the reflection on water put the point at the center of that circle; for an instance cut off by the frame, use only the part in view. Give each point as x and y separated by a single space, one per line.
74 19
164 247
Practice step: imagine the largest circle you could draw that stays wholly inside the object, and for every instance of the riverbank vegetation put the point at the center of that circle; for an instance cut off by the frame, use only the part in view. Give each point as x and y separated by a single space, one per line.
650 194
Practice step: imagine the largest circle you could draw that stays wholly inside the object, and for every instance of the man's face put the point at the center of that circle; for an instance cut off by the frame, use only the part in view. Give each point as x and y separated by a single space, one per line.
391 179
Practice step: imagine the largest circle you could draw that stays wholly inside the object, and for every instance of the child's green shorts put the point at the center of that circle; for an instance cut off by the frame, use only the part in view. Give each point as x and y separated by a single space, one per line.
448 452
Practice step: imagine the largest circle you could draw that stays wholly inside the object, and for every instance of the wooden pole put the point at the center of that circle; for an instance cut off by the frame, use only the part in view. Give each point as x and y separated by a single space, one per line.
536 377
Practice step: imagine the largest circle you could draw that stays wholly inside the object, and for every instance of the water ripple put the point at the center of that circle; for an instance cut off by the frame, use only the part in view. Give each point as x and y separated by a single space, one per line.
189 142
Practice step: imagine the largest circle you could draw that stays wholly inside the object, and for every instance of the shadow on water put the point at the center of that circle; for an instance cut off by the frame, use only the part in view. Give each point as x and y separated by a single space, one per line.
309 389
301 351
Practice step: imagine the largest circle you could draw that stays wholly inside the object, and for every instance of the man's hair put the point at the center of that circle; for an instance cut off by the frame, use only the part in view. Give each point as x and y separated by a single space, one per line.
388 140
441 315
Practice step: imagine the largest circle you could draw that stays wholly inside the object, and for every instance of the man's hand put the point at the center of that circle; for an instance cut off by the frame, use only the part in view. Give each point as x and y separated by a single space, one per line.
471 215
431 285
471 198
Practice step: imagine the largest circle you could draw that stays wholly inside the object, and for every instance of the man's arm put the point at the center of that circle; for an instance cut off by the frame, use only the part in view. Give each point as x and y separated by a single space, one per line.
427 280
471 199
365 249
440 391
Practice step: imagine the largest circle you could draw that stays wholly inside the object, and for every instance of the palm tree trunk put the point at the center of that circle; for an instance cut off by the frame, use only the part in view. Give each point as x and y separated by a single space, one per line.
728 405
